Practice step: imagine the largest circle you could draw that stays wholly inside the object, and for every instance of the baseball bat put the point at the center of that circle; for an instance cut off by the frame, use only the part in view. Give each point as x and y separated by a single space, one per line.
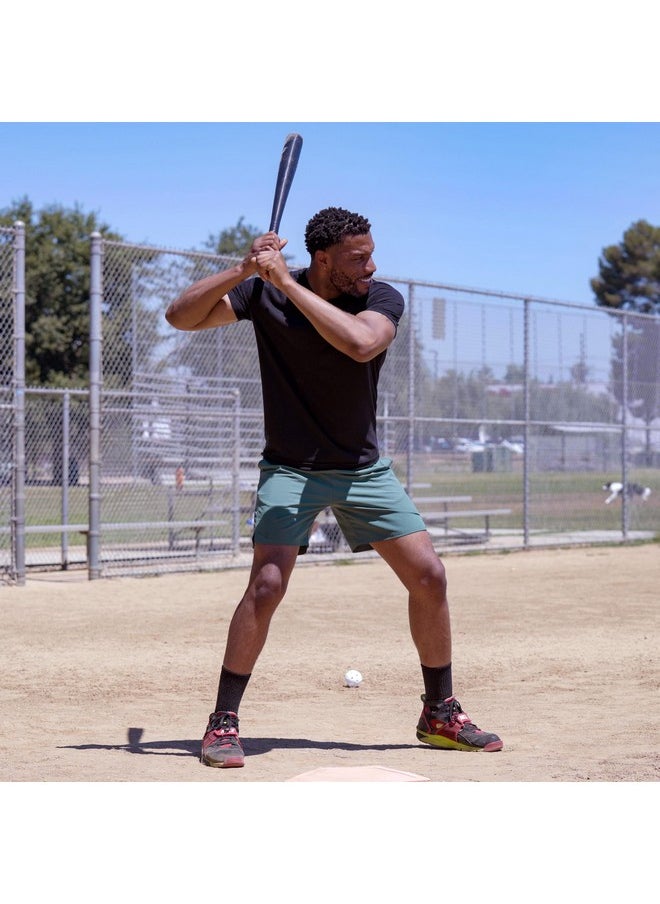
286 172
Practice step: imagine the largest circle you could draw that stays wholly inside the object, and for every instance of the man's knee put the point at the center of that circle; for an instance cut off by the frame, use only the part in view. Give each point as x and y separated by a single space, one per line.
271 569
433 577
269 586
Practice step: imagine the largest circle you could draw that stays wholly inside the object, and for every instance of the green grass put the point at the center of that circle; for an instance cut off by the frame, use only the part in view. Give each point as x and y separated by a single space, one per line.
559 502
119 503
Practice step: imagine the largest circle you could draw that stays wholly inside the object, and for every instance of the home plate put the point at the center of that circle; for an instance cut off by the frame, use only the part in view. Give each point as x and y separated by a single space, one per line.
357 774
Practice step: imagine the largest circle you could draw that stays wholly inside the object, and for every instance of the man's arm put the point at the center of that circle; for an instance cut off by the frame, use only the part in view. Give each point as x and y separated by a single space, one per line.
205 304
361 336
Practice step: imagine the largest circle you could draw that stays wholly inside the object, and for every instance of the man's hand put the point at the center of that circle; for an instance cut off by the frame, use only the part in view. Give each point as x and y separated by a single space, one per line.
268 242
268 259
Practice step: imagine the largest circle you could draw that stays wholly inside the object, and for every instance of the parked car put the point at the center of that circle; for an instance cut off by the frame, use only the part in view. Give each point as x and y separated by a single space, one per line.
463 444
440 444
514 445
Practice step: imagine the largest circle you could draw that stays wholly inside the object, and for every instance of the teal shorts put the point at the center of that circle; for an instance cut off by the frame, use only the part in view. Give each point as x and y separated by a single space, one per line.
370 505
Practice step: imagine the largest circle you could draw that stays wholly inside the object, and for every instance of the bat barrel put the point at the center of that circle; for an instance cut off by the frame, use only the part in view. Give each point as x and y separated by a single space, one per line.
285 174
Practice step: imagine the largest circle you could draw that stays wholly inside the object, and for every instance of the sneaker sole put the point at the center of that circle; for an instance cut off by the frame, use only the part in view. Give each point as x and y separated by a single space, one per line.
231 762
448 744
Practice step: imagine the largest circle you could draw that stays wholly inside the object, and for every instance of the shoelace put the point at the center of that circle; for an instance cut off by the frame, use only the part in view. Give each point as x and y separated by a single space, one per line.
454 709
223 723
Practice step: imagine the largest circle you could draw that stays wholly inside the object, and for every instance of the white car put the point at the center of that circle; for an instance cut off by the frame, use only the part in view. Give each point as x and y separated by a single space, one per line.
468 445
516 447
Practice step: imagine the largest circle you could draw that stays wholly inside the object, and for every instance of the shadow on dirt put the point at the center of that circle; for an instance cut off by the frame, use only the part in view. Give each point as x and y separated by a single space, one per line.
252 746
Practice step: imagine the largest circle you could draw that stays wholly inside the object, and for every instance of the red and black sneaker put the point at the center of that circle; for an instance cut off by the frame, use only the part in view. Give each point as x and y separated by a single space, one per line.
444 724
220 745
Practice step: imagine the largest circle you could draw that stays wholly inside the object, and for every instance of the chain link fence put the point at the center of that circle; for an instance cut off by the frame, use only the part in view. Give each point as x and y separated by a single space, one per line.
182 427
505 417
535 405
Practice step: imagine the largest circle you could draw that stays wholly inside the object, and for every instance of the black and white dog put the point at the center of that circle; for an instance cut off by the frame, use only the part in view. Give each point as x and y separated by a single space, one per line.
616 490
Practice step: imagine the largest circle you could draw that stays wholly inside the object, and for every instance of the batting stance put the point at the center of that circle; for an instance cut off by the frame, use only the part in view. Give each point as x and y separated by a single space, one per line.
322 335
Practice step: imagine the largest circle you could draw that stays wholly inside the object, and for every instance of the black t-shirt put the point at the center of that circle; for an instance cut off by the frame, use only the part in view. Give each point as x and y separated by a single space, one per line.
319 404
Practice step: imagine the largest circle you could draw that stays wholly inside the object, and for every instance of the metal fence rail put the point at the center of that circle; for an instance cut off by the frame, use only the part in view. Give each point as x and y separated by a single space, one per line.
504 415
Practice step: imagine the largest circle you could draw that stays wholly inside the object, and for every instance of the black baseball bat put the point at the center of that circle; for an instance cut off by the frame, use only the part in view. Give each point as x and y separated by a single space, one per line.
286 172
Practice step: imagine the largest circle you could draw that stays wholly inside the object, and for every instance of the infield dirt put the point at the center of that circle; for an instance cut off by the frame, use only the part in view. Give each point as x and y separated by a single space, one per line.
555 650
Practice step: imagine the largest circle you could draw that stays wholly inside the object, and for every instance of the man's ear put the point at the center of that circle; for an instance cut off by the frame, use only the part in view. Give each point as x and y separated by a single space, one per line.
322 259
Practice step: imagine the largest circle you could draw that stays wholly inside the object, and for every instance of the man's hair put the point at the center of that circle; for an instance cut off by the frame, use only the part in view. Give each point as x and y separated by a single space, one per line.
330 225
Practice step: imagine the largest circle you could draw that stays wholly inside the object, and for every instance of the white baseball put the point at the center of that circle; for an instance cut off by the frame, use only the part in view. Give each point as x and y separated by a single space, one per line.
352 678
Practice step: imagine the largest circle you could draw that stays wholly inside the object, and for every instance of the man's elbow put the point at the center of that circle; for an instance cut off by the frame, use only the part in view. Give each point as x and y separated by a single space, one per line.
365 352
370 345
174 317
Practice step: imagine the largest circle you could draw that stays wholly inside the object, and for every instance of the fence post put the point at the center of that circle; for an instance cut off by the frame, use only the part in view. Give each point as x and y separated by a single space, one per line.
236 474
95 358
526 413
411 386
624 426
66 476
18 495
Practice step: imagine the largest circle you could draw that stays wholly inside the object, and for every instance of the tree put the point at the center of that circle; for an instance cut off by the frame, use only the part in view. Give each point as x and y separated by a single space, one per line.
630 281
57 265
515 373
57 289
635 374
235 241
580 372
629 273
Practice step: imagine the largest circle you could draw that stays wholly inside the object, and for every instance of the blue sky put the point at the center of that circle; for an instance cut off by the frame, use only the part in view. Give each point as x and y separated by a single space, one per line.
525 207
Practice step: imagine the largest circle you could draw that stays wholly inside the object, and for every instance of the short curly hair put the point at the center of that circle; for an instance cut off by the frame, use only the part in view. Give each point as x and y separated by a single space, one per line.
330 225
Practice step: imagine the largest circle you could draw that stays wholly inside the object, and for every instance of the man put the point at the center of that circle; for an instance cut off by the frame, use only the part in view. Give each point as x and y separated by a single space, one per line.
322 335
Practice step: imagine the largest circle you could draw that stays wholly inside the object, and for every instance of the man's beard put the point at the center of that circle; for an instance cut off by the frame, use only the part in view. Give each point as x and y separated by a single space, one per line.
348 285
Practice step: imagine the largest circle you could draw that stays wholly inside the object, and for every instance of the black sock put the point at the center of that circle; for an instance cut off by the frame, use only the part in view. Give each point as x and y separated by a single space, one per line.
230 691
437 682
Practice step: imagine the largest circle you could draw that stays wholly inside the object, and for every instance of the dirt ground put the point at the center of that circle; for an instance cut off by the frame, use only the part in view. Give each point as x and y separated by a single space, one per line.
555 650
